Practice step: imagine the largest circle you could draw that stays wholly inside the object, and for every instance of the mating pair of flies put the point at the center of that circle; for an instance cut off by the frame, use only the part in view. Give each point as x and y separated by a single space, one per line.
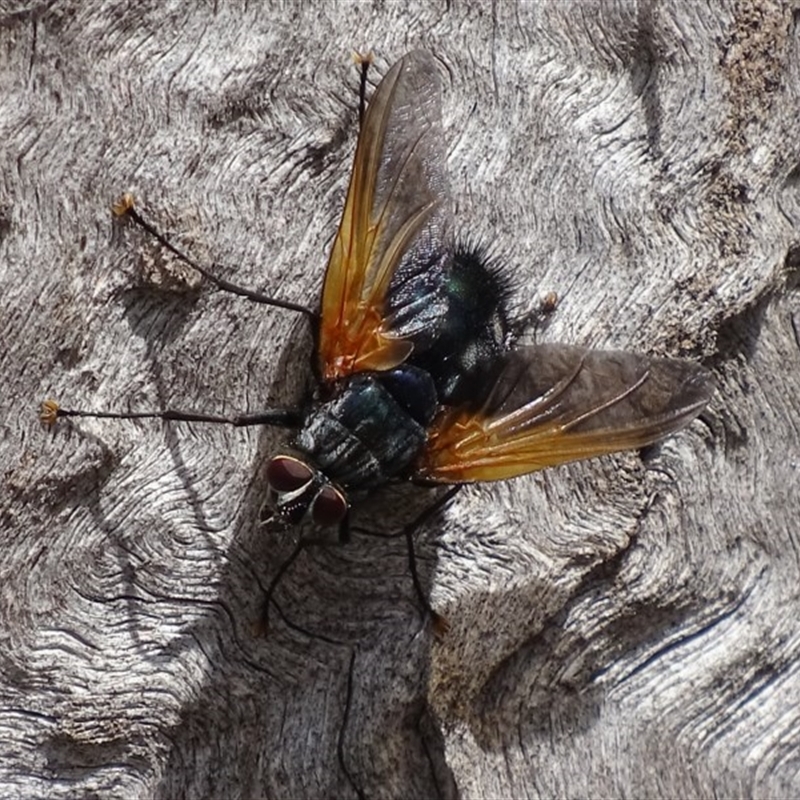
418 377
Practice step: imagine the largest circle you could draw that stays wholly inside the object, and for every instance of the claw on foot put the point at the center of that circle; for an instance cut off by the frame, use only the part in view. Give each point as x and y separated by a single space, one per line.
123 205
48 412
440 625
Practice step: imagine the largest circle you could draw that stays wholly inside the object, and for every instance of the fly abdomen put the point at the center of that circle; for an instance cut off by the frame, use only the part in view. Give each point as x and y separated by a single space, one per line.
368 433
472 335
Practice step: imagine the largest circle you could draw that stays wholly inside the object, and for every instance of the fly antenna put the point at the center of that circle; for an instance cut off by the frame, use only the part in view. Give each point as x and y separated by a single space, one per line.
126 207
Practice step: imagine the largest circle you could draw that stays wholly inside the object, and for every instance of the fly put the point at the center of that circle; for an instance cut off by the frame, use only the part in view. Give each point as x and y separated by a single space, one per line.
418 374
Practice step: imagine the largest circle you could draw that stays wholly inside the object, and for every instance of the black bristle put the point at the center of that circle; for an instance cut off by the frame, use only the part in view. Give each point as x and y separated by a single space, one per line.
476 328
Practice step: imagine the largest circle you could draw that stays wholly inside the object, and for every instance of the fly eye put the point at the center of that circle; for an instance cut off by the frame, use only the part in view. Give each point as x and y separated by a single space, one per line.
287 474
329 506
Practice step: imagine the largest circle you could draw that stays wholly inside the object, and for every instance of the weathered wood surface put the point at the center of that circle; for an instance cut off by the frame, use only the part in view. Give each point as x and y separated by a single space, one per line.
625 627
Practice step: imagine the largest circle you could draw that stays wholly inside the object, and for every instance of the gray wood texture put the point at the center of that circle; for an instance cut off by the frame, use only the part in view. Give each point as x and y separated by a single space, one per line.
626 627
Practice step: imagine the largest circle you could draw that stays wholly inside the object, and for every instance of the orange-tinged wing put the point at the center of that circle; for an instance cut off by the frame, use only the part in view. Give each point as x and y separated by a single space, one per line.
551 404
394 239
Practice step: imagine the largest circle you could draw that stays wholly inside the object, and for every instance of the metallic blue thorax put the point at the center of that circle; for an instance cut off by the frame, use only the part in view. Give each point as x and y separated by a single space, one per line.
373 429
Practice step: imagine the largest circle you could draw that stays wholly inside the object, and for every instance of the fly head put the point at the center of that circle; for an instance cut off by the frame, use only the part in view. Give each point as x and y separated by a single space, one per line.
300 492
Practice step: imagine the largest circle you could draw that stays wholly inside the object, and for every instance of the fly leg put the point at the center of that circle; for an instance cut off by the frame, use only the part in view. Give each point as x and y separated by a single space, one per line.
439 622
51 411
125 207
343 730
262 626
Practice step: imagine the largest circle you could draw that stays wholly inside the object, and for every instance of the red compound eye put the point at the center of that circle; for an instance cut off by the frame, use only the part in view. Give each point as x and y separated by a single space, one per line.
329 506
287 474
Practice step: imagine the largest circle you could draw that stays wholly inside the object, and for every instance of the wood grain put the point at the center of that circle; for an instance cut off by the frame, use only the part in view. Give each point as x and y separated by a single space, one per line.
623 627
